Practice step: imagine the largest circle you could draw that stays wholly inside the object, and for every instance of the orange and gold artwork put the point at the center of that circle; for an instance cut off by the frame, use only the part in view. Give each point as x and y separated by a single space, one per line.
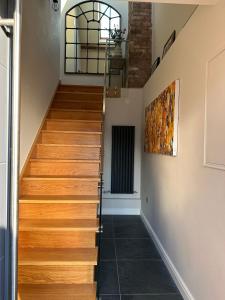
161 119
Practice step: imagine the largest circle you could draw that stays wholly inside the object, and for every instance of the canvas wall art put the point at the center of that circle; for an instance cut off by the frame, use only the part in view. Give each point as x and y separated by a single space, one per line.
161 122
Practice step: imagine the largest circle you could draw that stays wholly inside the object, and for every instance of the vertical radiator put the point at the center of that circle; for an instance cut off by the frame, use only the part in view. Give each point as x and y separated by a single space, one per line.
122 168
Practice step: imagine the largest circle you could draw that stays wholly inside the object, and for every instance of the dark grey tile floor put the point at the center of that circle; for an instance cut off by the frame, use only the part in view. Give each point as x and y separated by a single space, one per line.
131 267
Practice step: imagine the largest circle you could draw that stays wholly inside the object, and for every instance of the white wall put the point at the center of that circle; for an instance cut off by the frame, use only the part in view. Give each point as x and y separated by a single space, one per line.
39 69
165 19
126 111
187 200
121 6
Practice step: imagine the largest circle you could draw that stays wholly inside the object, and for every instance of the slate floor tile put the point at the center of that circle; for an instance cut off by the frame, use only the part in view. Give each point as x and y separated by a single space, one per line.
107 219
133 230
126 219
136 249
145 277
108 278
111 297
152 297
108 231
107 249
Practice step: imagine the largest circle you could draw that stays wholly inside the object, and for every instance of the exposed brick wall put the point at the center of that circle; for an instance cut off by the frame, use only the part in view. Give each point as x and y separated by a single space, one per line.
140 44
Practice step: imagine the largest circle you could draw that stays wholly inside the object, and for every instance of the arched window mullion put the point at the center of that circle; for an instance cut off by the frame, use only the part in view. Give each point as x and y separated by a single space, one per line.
85 53
83 13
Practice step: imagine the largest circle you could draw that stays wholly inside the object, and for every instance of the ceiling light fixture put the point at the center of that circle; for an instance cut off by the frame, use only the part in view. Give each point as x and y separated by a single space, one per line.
55 5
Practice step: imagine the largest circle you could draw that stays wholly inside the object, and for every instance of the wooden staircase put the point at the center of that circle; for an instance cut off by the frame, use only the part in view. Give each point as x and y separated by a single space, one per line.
59 200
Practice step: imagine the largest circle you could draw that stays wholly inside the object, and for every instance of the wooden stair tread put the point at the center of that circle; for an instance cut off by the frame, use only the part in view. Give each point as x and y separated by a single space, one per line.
73 120
47 160
77 110
78 93
67 145
59 257
57 291
72 132
57 229
58 225
59 199
61 178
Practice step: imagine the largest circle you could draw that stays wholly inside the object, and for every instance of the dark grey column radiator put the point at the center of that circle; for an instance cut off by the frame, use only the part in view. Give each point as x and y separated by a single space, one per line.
122 169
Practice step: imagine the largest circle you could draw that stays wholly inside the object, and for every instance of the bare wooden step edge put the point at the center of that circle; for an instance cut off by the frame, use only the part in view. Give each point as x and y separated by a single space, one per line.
59 199
47 160
72 132
57 291
59 225
59 257
73 120
77 110
75 145
59 178
79 93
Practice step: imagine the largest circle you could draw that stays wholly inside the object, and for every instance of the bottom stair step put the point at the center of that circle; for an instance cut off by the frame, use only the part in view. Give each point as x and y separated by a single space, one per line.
57 257
57 292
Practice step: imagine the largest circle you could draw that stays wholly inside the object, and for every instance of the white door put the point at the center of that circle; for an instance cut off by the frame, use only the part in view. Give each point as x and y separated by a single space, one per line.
4 109
9 136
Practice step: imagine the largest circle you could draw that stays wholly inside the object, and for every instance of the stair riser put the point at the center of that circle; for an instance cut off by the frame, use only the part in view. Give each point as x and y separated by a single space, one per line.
70 138
73 126
58 211
61 152
56 274
63 169
57 239
54 296
61 187
75 115
68 96
77 105
81 89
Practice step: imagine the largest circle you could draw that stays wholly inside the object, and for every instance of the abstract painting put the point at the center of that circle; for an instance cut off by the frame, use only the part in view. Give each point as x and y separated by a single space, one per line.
161 122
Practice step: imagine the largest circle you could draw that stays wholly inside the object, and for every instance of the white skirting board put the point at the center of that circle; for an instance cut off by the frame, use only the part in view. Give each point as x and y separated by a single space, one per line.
121 211
185 292
119 206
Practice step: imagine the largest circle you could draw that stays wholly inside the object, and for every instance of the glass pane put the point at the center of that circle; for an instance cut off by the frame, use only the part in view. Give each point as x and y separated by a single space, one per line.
115 23
82 22
82 34
70 22
71 36
102 53
83 51
71 50
101 66
77 11
104 35
93 25
86 6
93 36
89 15
72 12
105 27
114 13
70 65
93 51
104 9
83 66
92 66
96 6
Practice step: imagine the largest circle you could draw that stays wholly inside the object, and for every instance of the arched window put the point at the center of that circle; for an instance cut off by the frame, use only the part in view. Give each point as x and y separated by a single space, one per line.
87 26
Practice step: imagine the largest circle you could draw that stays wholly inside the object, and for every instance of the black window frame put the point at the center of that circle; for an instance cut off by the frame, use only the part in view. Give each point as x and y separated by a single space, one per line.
98 45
